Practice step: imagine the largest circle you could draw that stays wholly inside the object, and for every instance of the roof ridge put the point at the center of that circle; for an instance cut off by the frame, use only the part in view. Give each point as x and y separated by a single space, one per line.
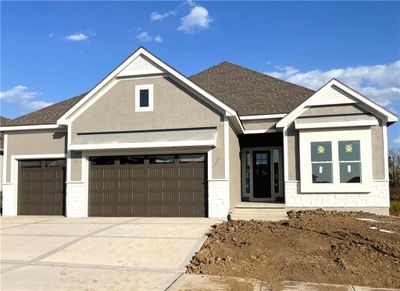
266 75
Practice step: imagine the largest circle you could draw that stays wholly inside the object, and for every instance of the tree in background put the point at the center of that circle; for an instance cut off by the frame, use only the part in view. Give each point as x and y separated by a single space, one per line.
394 165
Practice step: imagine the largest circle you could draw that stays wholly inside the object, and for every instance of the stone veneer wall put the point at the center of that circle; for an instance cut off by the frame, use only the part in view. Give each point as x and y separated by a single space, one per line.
377 201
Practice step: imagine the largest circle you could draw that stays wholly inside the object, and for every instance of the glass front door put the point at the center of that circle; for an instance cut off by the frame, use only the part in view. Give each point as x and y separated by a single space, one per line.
262 174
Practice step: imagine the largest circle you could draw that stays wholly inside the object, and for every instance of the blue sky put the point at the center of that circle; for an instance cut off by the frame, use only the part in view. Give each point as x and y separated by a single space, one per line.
54 50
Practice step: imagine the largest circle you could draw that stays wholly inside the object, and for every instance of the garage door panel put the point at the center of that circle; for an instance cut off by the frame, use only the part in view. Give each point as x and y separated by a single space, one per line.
149 186
41 188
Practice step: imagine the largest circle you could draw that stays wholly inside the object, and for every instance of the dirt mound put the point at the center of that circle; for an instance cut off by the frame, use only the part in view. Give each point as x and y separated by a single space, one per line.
315 246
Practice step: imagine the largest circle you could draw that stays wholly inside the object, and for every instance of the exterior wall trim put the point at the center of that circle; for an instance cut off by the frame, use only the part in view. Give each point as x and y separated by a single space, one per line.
336 124
385 153
143 145
256 131
29 127
261 117
5 159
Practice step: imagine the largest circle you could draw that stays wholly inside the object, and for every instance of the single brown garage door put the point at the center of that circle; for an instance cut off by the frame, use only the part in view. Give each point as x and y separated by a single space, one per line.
159 185
41 187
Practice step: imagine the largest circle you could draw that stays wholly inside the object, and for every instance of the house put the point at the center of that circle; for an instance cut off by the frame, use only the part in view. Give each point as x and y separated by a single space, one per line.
148 141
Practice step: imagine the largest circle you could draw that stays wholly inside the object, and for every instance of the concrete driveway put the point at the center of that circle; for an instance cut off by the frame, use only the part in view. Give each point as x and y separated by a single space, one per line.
57 253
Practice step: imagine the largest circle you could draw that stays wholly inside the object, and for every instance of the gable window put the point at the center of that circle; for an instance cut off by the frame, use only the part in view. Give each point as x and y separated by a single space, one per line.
336 161
144 97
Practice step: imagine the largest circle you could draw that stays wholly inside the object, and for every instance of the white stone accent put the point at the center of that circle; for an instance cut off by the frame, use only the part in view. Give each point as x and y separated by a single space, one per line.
218 198
377 198
76 200
9 200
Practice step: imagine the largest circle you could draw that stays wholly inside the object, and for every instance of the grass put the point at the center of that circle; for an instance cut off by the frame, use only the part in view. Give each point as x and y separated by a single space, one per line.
395 200
395 207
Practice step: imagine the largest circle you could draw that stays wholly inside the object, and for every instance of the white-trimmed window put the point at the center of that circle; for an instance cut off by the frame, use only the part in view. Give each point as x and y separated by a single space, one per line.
144 100
335 161
321 162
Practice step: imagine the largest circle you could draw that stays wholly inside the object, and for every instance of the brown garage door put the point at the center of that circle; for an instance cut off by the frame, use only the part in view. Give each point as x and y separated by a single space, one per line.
41 187
162 185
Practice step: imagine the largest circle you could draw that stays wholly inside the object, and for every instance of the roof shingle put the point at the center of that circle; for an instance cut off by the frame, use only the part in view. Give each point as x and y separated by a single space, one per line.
47 115
250 92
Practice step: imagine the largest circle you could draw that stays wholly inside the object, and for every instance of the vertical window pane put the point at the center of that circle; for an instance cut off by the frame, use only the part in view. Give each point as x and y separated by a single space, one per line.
321 151
322 172
247 171
275 158
350 172
349 150
144 98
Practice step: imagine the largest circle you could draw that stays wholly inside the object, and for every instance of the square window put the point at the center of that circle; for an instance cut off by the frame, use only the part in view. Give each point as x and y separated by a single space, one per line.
349 150
144 98
321 151
322 172
350 172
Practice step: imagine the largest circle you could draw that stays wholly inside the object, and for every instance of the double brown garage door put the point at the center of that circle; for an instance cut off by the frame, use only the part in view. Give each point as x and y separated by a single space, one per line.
41 187
158 185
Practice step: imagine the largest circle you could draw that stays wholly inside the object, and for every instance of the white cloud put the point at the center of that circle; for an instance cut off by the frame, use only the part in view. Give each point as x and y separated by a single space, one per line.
396 141
23 98
76 37
190 3
158 39
144 36
156 16
379 82
197 19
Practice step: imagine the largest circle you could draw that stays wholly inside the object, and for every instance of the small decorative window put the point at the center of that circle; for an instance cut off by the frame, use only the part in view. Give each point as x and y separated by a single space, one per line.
350 161
144 97
321 162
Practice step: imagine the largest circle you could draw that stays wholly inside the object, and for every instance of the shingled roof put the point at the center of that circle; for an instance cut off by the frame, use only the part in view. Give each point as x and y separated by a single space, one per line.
244 90
47 115
250 92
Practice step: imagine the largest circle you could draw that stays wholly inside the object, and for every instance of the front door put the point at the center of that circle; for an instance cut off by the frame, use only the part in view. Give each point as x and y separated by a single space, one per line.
262 174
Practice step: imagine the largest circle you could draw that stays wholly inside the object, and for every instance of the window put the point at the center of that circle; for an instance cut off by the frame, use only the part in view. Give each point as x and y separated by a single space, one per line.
162 159
102 160
248 169
193 158
131 160
144 98
336 161
321 160
350 161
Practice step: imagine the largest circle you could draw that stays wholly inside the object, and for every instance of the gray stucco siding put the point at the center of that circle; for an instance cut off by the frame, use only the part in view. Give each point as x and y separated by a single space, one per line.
174 108
44 142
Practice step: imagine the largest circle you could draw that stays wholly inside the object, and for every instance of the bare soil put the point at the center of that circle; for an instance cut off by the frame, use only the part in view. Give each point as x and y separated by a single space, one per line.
312 246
